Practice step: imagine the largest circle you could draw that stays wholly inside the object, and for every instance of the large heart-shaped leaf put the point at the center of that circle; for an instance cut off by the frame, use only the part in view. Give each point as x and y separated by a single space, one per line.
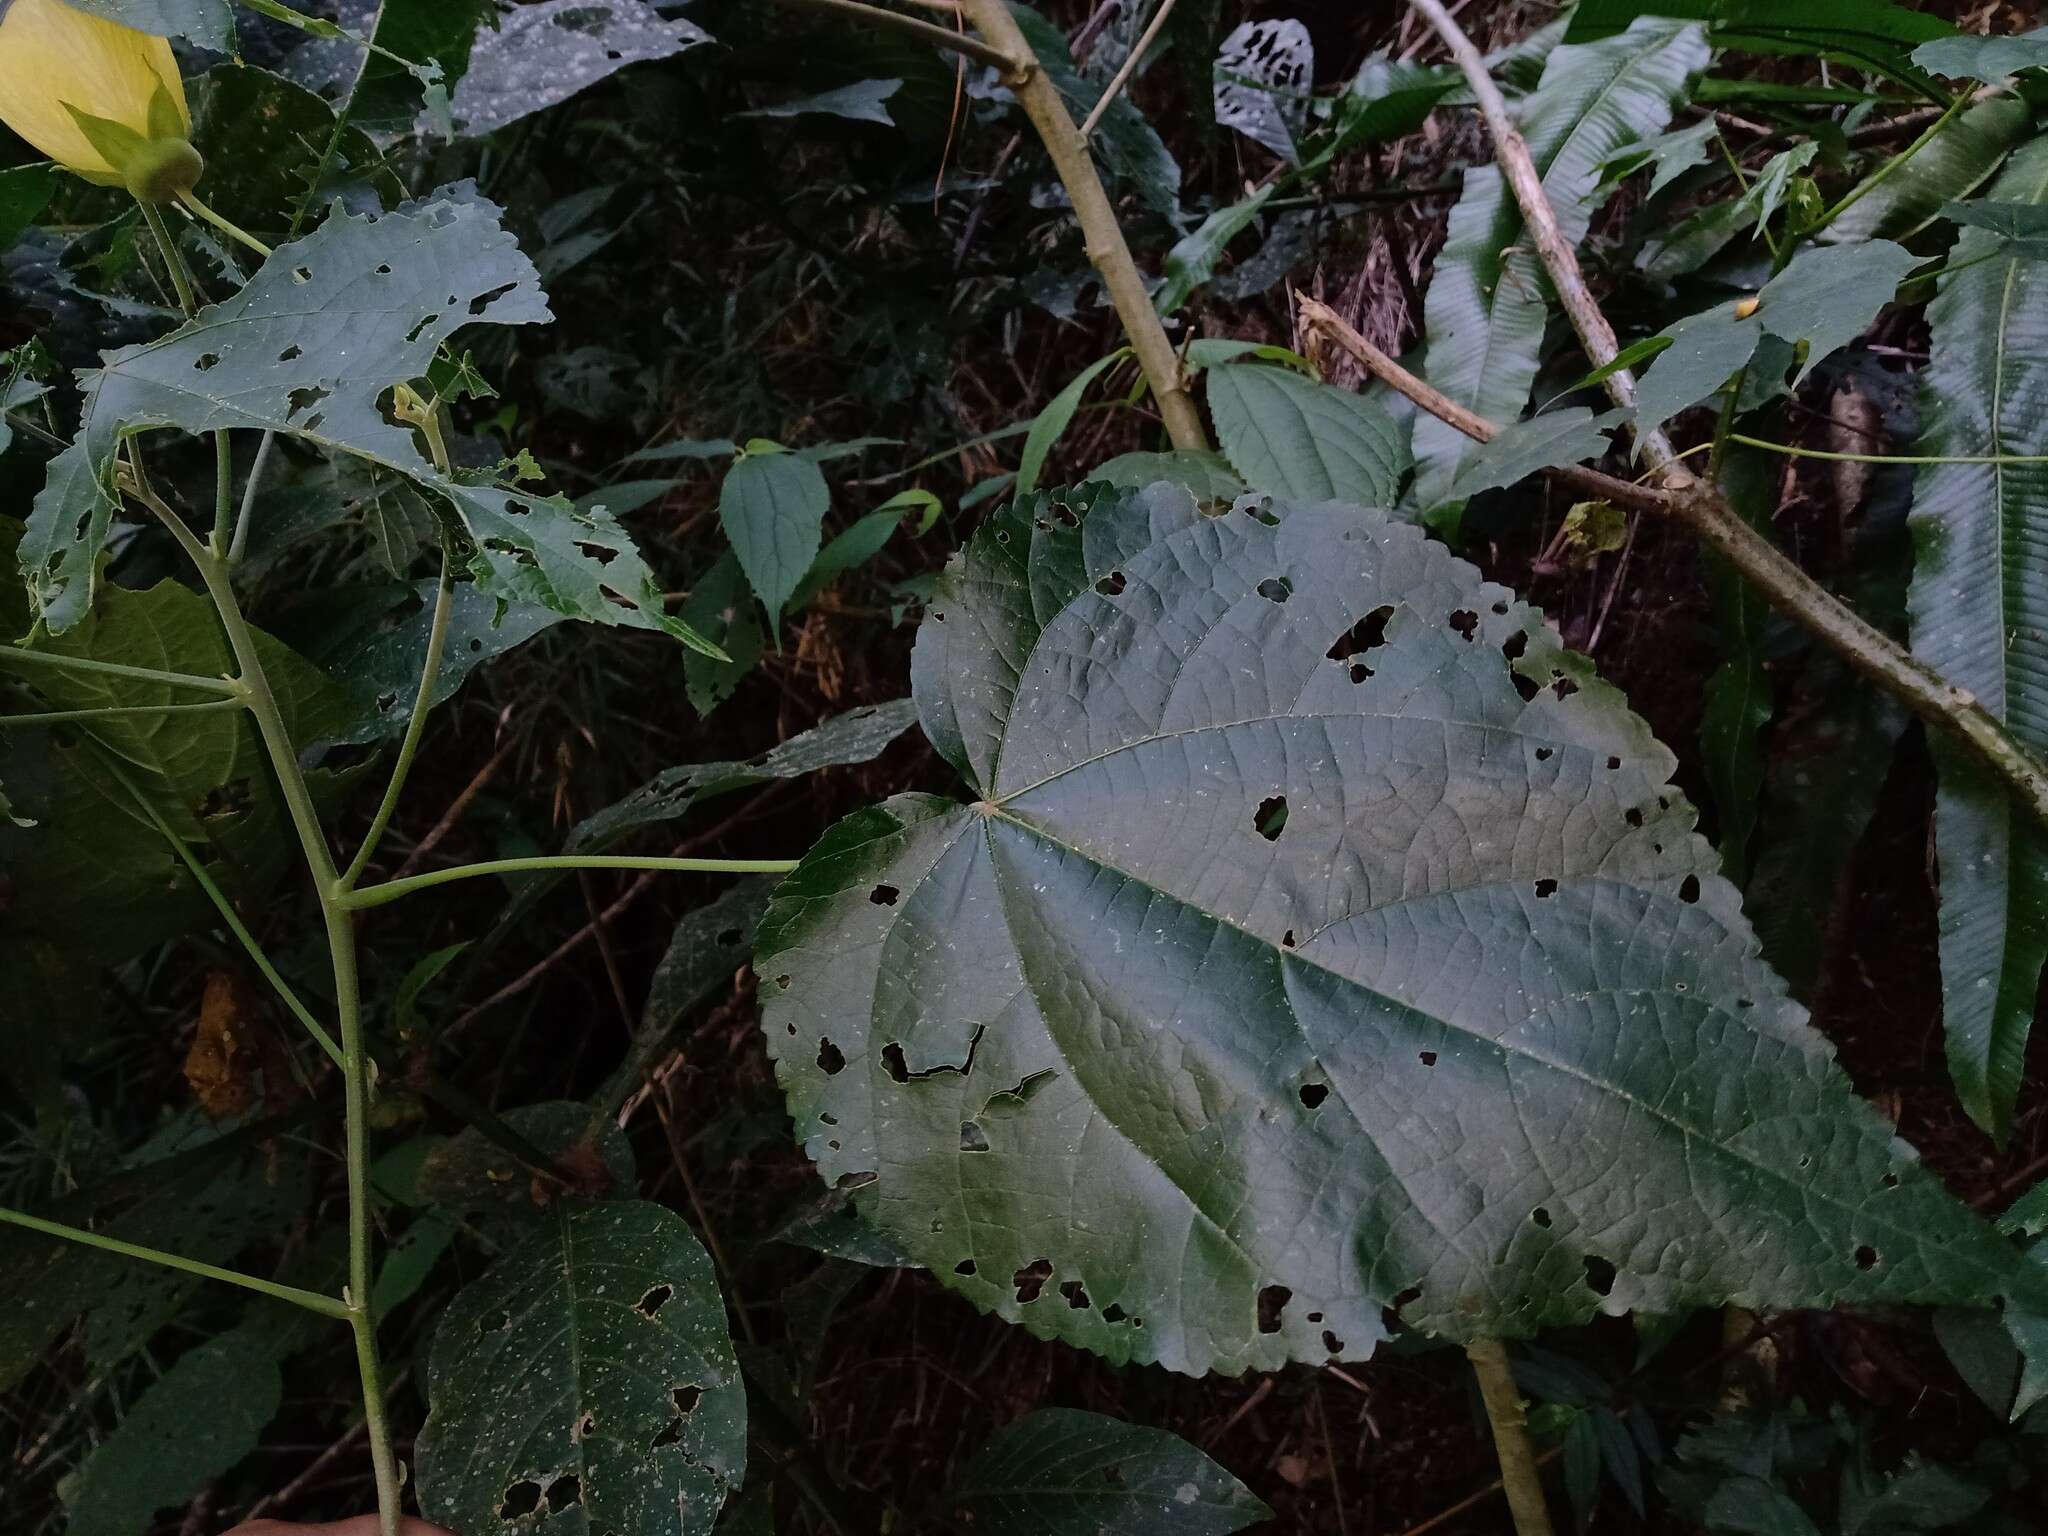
586 1384
310 347
1323 938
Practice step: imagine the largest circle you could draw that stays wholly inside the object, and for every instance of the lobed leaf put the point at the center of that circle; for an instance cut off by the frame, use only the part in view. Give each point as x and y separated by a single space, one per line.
532 57
1323 938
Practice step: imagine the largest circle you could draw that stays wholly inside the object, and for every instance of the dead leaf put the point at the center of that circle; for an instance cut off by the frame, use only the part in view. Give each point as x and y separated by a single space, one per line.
220 1068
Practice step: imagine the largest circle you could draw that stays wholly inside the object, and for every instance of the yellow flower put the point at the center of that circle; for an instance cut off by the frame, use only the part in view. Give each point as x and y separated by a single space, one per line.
102 100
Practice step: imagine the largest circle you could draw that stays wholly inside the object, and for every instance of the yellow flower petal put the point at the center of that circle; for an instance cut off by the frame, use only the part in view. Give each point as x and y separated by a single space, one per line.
53 58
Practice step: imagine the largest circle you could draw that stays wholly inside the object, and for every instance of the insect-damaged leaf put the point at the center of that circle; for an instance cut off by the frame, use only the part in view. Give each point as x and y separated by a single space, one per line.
311 347
1324 938
1065 1472
586 1384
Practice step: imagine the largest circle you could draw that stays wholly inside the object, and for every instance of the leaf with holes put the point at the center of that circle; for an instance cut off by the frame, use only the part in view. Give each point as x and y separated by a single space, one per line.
1322 938
1489 302
1265 71
1979 606
1065 1472
311 348
586 1384
1295 437
536 56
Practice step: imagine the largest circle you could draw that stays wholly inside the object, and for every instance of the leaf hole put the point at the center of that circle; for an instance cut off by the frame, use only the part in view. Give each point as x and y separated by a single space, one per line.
1562 686
563 1492
1114 1314
884 895
1368 634
1501 607
1633 816
304 399
421 328
1465 622
1263 513
1427 1058
964 1269
656 1298
1599 1275
1360 672
302 274
206 362
1029 1282
1313 1094
782 982
831 1060
1112 585
1270 820
383 269
1890 1181
893 1062
291 354
1276 589
1866 1258
484 301
521 1499
1287 939
1076 1294
583 1429
972 1137
1689 889
1544 754
1273 1307
1541 1217
1332 1343
1545 888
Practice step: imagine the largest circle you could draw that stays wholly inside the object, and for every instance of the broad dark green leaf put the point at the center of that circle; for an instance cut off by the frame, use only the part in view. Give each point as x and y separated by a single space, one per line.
395 286
1570 436
540 55
1489 302
1953 164
186 1428
1193 259
286 148
1322 938
1824 300
1295 437
474 1176
1671 154
1695 241
1127 147
2022 227
24 193
1065 1472
1386 99
722 610
773 506
1979 608
586 1384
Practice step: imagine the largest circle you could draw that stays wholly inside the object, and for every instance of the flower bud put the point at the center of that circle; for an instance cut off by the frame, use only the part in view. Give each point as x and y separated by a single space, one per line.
102 100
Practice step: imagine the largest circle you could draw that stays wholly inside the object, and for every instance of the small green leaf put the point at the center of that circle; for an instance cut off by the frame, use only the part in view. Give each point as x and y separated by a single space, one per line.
1569 436
586 1384
1055 418
773 507
861 102
1065 1472
1292 436
1192 261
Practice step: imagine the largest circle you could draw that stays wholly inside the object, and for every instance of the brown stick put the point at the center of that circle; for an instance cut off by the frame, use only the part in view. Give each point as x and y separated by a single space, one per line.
1700 508
1100 230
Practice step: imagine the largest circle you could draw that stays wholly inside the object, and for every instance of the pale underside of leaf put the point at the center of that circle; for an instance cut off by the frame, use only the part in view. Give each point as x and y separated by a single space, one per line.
1471 1029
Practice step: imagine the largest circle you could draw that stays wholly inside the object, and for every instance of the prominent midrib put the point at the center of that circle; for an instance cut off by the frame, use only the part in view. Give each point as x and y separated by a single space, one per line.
1802 1189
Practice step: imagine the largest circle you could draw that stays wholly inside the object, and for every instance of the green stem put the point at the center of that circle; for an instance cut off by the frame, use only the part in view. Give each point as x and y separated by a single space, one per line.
181 276
1885 172
1509 1419
312 1301
341 944
437 637
223 493
232 231
219 685
117 711
240 542
226 909
1791 452
392 890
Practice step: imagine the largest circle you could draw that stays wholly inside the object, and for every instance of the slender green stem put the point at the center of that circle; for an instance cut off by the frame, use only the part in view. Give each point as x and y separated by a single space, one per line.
181 275
232 231
223 493
225 907
35 429
392 890
312 1301
341 944
1790 451
118 711
11 655
437 637
240 542
1890 168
